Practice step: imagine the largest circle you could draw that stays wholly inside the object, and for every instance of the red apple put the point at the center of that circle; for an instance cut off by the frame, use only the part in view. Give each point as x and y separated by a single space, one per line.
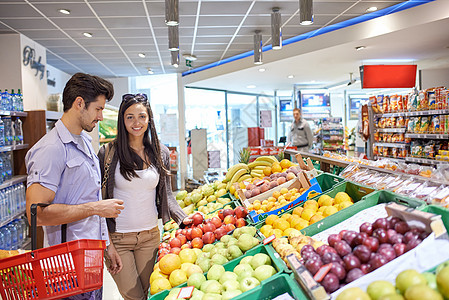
184 232
178 232
209 227
163 245
196 233
201 226
240 212
229 219
189 234
175 250
186 246
182 238
220 232
197 243
220 214
197 219
240 222
228 212
161 253
216 221
229 227
208 238
175 243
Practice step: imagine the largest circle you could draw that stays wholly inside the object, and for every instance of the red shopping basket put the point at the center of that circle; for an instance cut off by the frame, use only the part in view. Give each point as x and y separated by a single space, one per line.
54 272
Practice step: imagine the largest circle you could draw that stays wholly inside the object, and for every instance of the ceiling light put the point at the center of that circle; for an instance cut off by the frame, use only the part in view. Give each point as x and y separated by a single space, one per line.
64 11
257 48
190 57
173 38
174 58
290 76
251 86
172 12
371 9
262 70
306 12
150 71
276 33
87 34
141 55
360 48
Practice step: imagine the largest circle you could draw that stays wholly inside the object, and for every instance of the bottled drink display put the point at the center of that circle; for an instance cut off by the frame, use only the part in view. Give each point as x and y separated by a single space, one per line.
14 234
11 101
12 201
6 166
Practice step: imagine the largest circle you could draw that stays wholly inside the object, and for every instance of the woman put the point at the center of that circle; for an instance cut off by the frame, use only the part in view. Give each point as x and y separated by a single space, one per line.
138 174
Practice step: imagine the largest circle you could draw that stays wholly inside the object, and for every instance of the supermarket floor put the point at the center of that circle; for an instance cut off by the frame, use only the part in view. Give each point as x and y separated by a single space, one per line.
110 290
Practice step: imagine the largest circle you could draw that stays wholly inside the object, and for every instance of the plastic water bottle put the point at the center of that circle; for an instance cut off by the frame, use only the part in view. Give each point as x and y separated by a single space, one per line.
23 193
11 206
8 131
7 165
13 231
20 101
2 133
6 241
19 232
5 100
11 100
18 132
2 239
24 228
3 205
2 170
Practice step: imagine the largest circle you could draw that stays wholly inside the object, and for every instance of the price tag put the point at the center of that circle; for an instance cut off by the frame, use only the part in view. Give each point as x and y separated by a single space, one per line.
186 292
322 272
269 239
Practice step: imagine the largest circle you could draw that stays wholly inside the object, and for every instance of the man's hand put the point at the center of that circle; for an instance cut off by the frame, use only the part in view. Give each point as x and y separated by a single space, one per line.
115 261
110 208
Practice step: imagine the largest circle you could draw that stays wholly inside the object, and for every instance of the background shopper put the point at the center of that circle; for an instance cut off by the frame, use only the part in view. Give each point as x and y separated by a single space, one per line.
64 171
138 174
300 134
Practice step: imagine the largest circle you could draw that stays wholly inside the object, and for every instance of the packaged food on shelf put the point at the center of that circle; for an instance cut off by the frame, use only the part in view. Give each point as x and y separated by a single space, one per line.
408 188
439 197
431 99
425 190
423 102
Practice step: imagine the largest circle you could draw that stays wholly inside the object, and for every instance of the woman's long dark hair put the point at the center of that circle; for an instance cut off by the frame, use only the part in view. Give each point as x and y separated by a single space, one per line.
130 160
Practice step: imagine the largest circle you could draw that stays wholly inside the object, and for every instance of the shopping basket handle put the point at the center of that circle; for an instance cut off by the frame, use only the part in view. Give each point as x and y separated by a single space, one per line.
33 211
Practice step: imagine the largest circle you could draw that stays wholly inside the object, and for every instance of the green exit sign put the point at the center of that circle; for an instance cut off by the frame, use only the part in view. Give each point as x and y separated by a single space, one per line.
188 63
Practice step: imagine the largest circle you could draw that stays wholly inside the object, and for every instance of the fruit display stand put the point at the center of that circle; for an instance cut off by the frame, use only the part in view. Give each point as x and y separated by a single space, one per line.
327 181
229 266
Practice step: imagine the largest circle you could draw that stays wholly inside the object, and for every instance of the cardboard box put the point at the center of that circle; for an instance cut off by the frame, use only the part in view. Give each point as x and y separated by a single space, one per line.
300 182
274 150
264 151
254 150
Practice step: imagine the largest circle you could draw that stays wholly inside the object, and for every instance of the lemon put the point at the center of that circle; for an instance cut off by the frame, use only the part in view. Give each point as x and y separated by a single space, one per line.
278 233
342 197
287 231
284 191
330 210
265 229
345 204
324 199
315 218
302 224
298 211
311 204
271 219
282 225
322 208
307 213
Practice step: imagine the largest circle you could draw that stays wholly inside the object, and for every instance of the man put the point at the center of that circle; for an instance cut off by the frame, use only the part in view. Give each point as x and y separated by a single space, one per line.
63 170
300 134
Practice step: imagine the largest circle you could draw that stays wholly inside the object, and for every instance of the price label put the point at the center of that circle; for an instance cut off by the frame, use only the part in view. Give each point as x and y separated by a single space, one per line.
269 239
322 272
186 292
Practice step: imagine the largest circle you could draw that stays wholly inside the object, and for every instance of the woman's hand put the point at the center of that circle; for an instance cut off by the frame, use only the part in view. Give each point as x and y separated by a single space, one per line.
115 260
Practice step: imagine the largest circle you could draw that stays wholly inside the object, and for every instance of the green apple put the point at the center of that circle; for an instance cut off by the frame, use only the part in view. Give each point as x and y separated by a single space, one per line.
234 251
246 260
380 288
431 280
215 272
230 294
227 276
212 296
408 278
443 281
422 292
260 259
242 267
264 272
392 297
196 280
354 293
219 259
214 287
231 285
248 283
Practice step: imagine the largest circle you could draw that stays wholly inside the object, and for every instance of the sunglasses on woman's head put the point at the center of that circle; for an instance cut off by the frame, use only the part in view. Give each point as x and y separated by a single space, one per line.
137 97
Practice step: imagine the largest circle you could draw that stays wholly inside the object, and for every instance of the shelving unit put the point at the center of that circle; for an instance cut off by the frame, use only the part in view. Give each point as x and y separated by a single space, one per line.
414 113
393 145
15 216
13 147
332 134
425 161
15 180
430 136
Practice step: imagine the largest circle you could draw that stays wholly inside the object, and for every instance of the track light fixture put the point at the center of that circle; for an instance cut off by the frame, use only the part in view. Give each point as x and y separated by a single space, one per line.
276 34
175 58
173 38
257 48
150 71
172 12
306 12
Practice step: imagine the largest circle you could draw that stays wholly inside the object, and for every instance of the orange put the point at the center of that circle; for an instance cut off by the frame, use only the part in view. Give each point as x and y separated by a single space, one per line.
169 263
285 163
276 194
267 171
276 167
298 211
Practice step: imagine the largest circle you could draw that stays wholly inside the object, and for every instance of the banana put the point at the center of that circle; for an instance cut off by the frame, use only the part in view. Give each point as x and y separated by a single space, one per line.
259 168
256 174
258 163
244 177
234 169
270 159
236 176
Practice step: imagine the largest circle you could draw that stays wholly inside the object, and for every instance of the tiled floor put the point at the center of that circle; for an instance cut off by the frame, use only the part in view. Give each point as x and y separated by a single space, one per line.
110 290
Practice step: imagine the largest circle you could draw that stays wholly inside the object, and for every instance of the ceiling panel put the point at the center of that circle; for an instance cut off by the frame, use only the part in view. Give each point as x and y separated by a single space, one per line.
23 10
224 7
20 24
125 22
120 9
360 8
77 10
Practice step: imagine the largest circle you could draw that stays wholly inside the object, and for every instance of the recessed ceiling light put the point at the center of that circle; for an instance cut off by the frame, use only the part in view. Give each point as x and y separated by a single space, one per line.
306 23
290 76
371 9
262 70
64 11
251 86
150 71
360 48
141 55
190 57
87 34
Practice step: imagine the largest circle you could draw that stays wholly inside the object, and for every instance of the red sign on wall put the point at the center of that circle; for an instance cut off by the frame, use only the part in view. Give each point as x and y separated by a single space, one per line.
388 76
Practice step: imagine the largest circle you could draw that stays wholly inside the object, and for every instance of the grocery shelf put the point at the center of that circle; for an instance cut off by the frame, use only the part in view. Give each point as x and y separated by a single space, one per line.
15 180
13 147
425 161
26 245
393 145
439 136
395 159
399 130
415 113
15 216
53 115
13 113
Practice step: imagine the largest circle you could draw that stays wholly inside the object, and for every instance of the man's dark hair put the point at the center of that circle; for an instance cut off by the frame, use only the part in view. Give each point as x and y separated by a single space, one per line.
86 86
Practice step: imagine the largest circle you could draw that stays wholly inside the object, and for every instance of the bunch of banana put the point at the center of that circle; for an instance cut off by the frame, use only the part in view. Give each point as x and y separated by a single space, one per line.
257 166
236 173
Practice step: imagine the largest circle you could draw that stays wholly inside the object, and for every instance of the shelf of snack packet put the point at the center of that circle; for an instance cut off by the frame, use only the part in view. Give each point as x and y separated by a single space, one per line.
393 145
413 113
432 136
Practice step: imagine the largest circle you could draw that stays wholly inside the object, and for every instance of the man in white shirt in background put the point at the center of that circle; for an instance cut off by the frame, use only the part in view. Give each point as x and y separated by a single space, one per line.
300 134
